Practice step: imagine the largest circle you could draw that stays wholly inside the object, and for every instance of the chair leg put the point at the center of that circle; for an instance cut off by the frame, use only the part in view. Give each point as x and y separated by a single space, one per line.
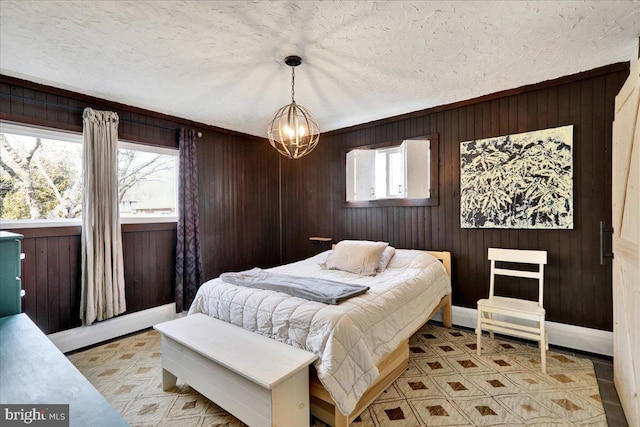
546 340
479 333
490 317
543 347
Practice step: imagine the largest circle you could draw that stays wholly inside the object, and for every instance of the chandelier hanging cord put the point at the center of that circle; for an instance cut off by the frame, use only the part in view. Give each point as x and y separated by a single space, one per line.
293 84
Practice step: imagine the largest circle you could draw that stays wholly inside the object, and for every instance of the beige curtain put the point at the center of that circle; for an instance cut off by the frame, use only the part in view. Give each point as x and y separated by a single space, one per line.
102 284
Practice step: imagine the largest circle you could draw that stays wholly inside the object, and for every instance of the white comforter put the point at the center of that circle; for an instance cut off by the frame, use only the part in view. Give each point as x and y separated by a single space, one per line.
349 338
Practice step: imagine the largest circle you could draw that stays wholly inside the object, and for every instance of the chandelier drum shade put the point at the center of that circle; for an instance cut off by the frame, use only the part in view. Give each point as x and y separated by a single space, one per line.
293 130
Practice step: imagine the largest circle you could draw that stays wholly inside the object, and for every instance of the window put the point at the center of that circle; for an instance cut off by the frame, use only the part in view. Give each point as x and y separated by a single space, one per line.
147 181
41 179
41 174
389 172
393 174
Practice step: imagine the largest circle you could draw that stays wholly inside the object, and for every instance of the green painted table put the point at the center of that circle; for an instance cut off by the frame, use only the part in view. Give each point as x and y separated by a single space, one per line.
34 371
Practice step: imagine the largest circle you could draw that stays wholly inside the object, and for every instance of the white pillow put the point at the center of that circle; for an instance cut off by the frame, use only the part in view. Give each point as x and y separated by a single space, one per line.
385 258
356 256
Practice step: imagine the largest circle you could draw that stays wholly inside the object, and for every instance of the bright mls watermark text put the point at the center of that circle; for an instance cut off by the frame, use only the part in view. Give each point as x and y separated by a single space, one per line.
34 415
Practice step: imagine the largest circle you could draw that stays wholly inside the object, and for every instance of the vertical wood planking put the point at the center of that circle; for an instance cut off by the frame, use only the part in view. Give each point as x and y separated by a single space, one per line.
446 180
75 269
532 123
589 229
5 100
129 270
575 239
564 242
53 276
462 280
17 104
138 271
144 283
472 234
454 190
556 259
42 284
599 153
539 104
239 193
574 282
64 314
440 216
497 115
238 206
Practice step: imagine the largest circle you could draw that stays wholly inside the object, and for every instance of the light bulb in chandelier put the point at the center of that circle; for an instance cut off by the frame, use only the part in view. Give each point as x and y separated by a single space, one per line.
293 130
289 130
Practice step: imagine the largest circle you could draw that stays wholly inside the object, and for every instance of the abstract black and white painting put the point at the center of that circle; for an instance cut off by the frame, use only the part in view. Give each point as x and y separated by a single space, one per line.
520 181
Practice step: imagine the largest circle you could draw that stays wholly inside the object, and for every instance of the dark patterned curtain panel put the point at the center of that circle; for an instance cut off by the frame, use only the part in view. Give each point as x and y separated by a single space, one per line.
188 258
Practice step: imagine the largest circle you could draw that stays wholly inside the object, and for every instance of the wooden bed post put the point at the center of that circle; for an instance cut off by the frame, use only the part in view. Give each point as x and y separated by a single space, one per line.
341 420
445 259
446 314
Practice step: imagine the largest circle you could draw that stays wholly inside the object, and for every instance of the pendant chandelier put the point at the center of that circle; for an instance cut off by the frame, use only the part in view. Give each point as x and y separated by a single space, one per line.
293 130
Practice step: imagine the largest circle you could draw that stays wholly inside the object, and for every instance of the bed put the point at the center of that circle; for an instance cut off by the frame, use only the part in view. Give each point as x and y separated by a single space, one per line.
362 343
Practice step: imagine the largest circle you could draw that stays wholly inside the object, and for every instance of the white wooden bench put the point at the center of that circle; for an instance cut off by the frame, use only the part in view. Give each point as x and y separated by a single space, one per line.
260 381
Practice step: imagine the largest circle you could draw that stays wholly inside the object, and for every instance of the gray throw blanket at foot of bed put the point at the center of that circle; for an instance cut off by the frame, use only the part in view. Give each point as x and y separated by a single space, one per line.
311 288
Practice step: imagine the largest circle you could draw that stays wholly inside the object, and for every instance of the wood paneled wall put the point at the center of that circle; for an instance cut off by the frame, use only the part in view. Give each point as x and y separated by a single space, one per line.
238 183
577 289
245 215
51 272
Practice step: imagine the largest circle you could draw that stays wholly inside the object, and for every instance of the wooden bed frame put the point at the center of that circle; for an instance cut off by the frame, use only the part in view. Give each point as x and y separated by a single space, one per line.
390 367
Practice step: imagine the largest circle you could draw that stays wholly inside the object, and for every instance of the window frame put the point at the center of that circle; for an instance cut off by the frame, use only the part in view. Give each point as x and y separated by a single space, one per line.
432 200
75 137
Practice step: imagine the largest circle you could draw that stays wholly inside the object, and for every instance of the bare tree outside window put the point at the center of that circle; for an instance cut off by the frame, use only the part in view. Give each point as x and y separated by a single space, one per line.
41 178
147 183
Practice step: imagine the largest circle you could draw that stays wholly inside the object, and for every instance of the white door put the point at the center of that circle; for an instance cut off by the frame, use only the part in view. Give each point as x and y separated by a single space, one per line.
626 241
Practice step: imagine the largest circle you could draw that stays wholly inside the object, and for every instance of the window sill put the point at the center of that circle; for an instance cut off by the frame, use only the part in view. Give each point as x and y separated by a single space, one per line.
33 229
432 201
50 223
54 223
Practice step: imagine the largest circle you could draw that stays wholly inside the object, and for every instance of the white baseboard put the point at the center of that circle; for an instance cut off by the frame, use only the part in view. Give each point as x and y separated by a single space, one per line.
83 336
560 334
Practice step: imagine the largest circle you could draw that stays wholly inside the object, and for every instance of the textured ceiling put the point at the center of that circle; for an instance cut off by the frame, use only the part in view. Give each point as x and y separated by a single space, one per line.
221 62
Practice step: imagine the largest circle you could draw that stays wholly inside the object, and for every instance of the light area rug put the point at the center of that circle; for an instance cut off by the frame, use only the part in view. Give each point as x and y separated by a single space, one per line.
446 384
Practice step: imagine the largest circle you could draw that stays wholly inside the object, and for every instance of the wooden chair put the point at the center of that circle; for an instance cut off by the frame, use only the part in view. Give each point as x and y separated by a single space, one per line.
514 307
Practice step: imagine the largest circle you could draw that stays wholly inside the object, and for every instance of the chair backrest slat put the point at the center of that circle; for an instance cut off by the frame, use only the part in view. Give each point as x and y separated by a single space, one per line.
518 255
517 273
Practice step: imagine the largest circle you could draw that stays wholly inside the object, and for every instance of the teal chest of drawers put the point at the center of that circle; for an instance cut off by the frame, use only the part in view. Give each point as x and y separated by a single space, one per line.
10 284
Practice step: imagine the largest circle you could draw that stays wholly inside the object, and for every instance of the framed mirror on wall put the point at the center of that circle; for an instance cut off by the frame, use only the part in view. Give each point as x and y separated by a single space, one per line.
397 173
